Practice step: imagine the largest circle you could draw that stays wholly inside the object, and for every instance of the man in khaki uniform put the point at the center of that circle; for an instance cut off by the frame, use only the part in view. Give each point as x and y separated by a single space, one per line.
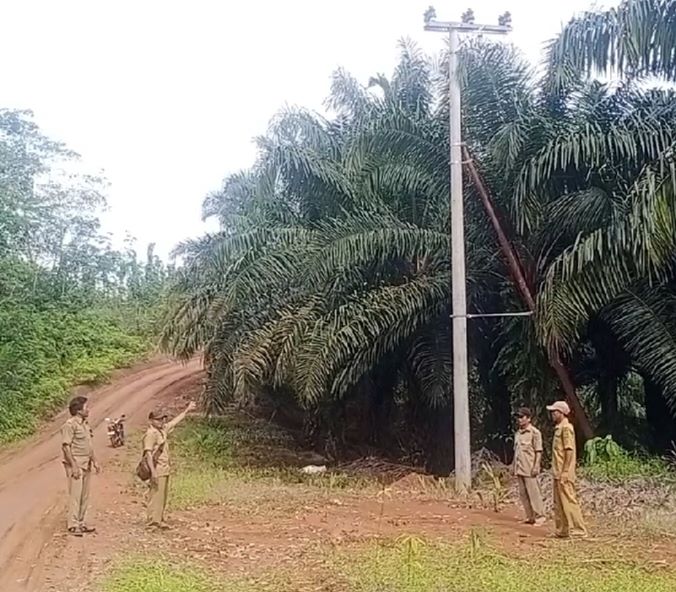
78 460
526 467
567 513
156 451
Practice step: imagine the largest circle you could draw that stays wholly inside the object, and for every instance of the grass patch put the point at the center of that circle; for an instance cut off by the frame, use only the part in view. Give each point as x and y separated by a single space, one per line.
605 460
411 565
659 522
627 466
232 442
161 576
217 458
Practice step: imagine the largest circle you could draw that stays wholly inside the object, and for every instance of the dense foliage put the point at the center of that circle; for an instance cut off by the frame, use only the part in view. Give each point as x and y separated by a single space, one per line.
327 289
72 308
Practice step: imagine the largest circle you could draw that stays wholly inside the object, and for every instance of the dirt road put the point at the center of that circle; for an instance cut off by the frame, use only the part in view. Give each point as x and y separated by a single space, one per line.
32 480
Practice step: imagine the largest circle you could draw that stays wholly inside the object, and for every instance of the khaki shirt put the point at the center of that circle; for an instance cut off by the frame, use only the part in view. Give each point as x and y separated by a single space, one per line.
564 439
152 440
77 434
527 443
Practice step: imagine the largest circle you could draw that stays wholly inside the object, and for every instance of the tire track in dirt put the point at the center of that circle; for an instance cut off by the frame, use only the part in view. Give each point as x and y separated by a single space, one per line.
32 480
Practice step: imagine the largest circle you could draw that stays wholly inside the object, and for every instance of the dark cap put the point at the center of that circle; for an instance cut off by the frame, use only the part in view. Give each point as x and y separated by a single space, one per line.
157 414
524 412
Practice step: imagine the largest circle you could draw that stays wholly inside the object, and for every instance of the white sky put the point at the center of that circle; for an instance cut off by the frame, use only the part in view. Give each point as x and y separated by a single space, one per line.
165 96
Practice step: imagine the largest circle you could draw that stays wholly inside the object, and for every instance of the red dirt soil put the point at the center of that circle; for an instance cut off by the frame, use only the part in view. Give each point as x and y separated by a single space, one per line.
37 556
32 480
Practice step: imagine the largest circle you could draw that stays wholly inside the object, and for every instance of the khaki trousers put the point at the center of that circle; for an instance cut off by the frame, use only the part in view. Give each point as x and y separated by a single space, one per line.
157 500
531 498
78 498
567 513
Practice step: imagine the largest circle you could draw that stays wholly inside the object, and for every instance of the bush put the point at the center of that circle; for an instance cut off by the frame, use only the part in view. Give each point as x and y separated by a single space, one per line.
605 460
43 353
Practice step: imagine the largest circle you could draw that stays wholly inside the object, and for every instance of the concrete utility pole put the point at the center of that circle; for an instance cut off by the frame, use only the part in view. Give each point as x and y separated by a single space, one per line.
463 453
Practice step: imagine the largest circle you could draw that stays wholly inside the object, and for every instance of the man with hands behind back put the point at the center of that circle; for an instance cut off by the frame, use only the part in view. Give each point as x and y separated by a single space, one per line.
527 465
567 514
79 460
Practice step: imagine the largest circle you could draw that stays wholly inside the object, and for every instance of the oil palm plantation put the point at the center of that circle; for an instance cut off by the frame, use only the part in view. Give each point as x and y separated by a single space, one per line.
613 285
327 288
330 278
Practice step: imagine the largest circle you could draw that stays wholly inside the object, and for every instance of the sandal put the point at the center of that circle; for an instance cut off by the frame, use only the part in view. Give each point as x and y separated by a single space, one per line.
87 529
76 532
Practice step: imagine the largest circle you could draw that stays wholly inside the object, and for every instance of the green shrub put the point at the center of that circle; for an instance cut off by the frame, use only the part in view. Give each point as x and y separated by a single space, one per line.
43 353
605 460
600 450
629 466
210 441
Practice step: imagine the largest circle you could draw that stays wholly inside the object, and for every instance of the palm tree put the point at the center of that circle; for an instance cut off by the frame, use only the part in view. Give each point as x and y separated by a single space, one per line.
633 41
623 219
332 267
328 283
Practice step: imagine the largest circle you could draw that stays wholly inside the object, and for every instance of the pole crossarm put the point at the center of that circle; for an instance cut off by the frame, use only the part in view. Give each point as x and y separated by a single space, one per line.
446 26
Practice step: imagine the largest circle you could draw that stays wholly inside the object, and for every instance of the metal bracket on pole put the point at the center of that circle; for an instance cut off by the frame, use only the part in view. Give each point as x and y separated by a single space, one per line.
490 315
462 145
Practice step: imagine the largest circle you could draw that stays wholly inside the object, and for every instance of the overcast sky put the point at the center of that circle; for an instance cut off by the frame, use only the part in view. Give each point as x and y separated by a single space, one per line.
165 95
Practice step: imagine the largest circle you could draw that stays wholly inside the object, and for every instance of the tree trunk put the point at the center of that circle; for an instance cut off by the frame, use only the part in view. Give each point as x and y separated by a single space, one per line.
612 363
380 404
497 420
440 446
661 421
607 390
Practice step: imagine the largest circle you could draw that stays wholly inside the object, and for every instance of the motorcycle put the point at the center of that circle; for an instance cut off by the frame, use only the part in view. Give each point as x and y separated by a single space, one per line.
116 431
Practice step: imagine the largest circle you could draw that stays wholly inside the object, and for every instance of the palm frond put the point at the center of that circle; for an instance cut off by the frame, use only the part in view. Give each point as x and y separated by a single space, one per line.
643 321
635 39
569 218
349 97
593 147
411 81
350 340
600 266
431 361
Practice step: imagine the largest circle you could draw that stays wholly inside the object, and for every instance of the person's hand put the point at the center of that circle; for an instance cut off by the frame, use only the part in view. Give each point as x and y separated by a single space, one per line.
153 480
75 472
97 467
535 471
191 406
564 478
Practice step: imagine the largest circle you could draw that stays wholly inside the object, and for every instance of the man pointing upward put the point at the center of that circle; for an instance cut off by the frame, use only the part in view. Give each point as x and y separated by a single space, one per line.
156 451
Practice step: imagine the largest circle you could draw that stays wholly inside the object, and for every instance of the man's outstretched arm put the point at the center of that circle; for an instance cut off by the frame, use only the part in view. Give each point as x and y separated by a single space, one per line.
180 417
